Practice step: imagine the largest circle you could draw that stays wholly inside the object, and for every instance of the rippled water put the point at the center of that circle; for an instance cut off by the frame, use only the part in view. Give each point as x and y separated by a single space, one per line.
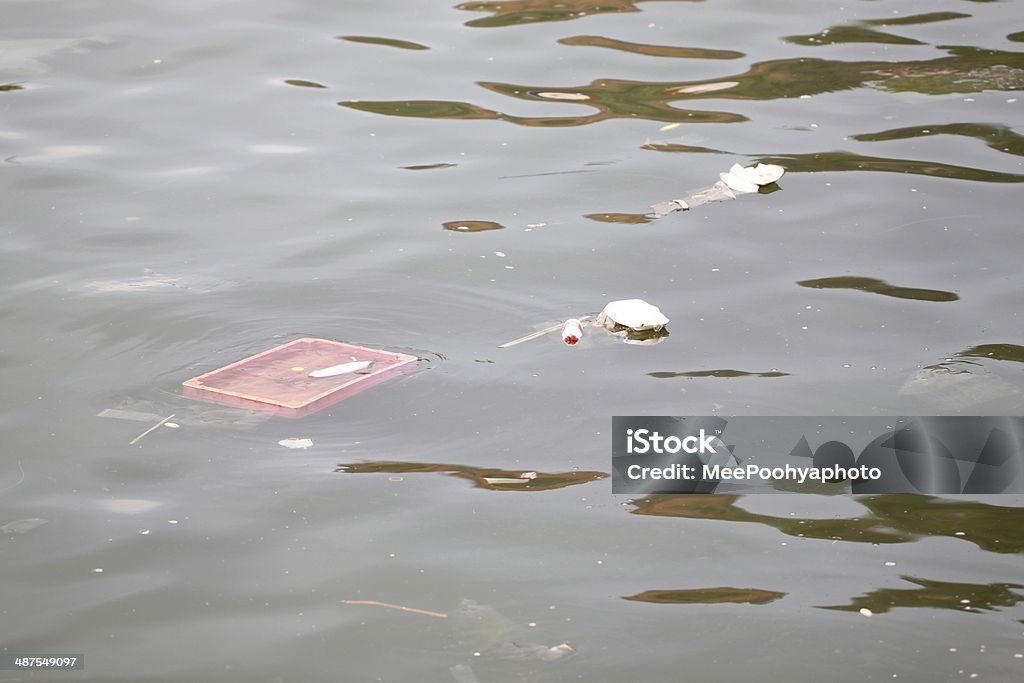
188 183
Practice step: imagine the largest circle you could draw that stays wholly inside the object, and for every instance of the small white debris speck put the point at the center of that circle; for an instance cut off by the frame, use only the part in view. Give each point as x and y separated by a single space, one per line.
866 612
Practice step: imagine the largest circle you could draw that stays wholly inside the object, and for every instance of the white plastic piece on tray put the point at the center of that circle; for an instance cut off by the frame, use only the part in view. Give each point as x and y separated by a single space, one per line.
636 314
572 331
342 369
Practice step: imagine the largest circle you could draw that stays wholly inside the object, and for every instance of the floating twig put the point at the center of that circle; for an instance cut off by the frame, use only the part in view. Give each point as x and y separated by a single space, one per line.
156 426
539 333
375 603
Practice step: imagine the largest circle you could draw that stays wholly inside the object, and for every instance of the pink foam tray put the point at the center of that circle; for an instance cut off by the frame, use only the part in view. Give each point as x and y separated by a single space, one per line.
278 381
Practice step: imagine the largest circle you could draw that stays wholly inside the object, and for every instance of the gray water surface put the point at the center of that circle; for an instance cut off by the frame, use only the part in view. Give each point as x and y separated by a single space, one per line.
185 184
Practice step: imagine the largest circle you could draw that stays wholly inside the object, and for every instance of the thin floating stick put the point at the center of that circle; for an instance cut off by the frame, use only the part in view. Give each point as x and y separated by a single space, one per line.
538 334
375 603
156 426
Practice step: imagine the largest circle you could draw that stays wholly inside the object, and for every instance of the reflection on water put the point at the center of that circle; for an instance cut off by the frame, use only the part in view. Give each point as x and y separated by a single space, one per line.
389 42
869 284
851 34
707 596
677 147
1013 352
926 18
515 12
472 226
10 86
961 382
893 518
482 477
962 597
999 138
834 162
861 34
428 167
299 83
627 218
651 50
964 70
717 373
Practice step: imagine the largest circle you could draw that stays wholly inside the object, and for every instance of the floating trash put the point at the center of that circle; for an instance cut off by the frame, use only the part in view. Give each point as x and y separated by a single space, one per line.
343 369
634 321
267 381
631 314
572 331
540 333
159 424
295 443
21 526
738 179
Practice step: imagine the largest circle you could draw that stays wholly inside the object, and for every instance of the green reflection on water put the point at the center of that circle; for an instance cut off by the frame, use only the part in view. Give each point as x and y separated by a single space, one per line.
517 12
962 597
964 70
621 218
850 34
1011 352
868 284
482 477
10 87
999 138
926 18
472 226
651 50
859 33
893 518
299 83
707 596
389 42
848 161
